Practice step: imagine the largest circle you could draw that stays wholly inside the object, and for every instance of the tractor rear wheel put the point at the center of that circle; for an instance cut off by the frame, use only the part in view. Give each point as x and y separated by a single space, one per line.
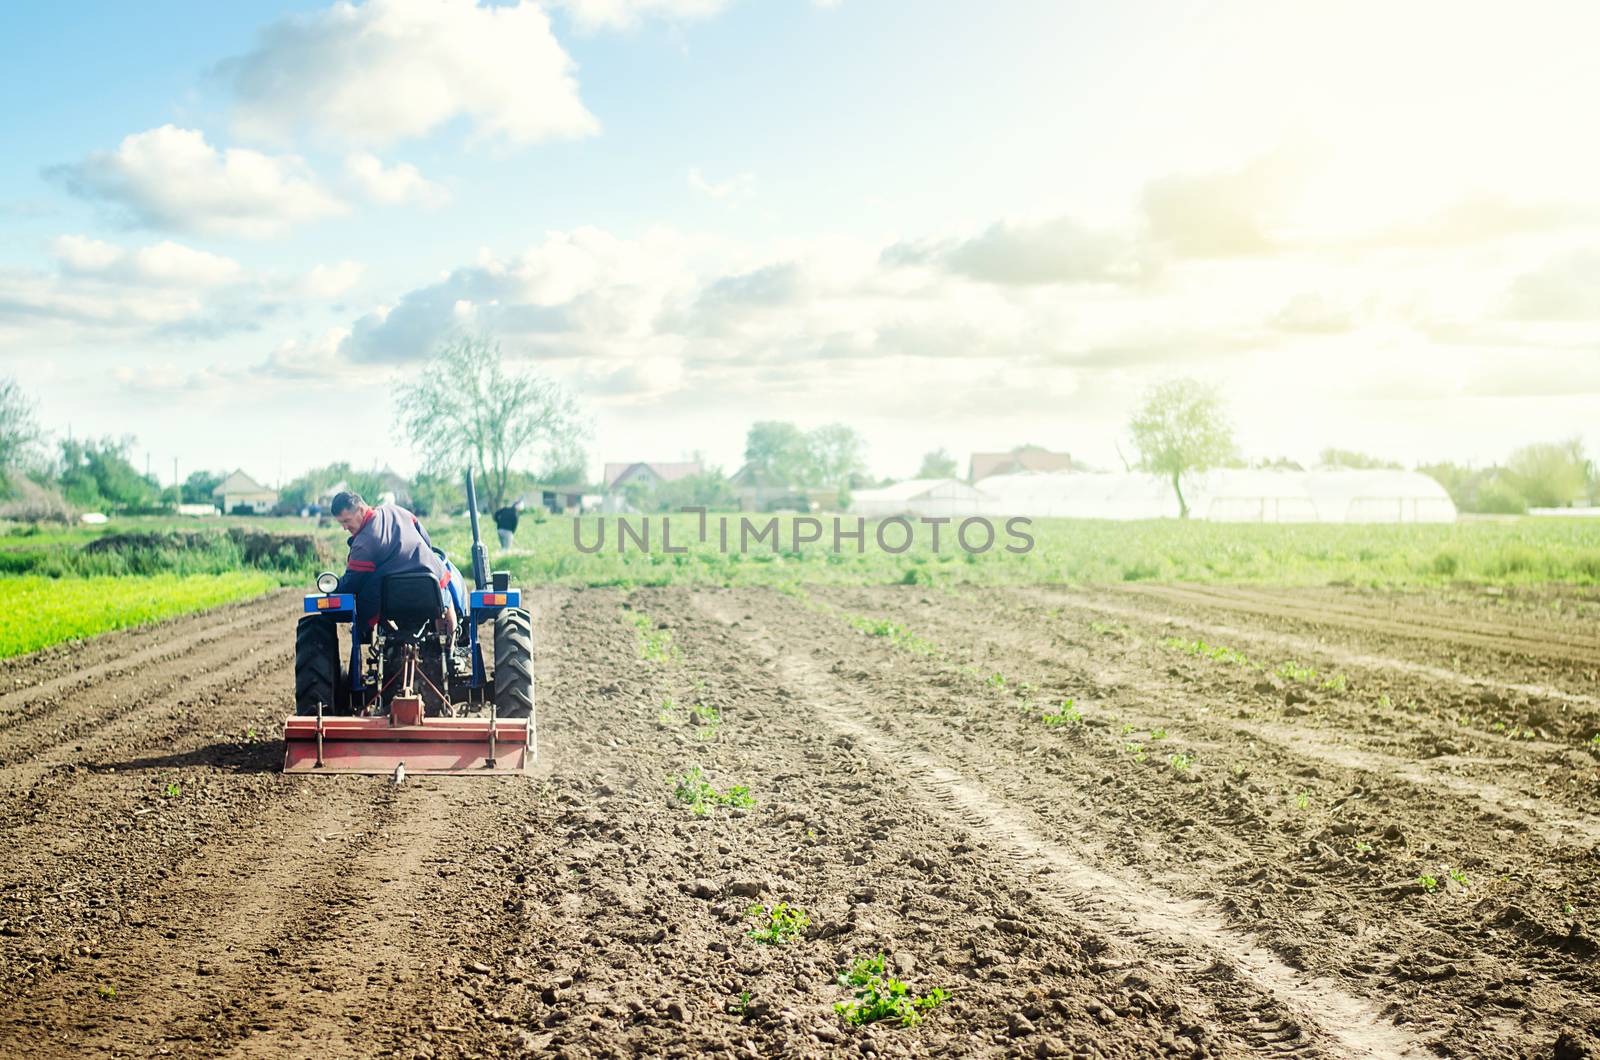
513 664
316 666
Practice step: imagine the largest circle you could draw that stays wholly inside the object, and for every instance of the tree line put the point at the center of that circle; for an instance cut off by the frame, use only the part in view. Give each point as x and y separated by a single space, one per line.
468 408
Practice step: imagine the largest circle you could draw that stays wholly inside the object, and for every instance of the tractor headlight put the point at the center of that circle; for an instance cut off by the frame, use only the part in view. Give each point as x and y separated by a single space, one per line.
327 582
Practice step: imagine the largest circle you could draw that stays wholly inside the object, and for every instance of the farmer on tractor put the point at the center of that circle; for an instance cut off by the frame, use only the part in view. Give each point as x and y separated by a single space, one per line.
385 540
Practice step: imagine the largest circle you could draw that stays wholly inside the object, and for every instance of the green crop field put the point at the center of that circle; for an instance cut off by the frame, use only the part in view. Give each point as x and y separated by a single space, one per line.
1512 552
43 611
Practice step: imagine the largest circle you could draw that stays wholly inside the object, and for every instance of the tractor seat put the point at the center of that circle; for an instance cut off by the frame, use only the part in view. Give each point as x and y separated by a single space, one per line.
410 600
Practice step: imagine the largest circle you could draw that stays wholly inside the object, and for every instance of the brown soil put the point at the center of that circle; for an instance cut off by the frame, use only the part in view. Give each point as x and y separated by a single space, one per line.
1216 859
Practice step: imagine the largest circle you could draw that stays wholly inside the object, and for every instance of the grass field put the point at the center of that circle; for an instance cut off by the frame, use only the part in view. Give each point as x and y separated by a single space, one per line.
43 611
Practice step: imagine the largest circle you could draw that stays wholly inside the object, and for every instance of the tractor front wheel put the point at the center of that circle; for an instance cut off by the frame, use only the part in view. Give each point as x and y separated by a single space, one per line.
316 665
513 664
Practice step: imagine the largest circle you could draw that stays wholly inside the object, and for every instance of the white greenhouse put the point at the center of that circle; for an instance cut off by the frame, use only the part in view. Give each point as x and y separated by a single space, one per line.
1325 495
919 496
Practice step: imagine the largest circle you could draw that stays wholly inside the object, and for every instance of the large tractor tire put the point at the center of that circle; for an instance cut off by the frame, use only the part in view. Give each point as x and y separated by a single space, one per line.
316 666
513 664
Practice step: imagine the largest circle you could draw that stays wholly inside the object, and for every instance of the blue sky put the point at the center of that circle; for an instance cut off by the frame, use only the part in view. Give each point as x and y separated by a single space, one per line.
1373 227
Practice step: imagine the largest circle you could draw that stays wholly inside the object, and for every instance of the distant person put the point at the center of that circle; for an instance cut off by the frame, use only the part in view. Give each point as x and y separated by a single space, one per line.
505 521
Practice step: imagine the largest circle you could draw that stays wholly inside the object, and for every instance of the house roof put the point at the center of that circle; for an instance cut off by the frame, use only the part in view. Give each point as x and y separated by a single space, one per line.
666 472
239 482
1022 458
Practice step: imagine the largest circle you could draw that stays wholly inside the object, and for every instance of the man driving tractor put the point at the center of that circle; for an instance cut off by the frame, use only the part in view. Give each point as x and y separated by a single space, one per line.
386 540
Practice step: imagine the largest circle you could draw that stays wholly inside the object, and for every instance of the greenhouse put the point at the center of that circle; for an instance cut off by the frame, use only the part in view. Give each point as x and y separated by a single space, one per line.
1242 495
920 496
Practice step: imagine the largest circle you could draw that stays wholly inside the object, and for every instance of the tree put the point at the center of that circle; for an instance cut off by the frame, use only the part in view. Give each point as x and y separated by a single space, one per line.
937 464
778 452
565 464
784 455
709 490
19 431
1350 458
433 493
199 486
1181 428
835 452
467 408
96 474
1549 474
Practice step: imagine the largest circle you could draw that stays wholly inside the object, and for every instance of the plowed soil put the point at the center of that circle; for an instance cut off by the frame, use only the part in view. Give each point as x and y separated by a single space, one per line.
1324 824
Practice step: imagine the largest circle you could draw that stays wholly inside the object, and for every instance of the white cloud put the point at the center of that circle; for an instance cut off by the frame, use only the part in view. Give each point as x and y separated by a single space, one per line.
736 188
330 281
367 176
591 15
388 70
165 263
171 179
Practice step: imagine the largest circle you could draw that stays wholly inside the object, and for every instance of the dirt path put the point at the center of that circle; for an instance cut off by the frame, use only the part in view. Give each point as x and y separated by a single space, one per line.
165 891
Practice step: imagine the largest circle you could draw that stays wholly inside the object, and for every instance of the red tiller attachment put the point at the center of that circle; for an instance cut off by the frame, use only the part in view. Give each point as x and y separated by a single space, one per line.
478 747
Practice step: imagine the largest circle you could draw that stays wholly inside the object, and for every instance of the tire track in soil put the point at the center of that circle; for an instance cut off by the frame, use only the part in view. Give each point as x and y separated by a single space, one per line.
324 925
1455 949
1328 1018
1414 627
37 689
631 957
1307 646
1418 622
78 780
115 701
1527 812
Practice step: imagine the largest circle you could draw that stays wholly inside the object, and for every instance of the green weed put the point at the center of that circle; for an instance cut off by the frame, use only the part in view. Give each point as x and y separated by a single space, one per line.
693 788
880 996
655 645
1066 714
1214 652
778 923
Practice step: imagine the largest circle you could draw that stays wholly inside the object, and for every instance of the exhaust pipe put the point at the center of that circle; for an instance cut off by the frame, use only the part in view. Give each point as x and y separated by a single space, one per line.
480 555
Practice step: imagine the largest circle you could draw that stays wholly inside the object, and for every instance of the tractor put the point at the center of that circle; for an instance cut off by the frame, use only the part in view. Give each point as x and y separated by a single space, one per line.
413 693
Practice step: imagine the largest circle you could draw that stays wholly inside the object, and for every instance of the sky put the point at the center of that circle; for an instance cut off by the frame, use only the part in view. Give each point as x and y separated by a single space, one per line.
232 230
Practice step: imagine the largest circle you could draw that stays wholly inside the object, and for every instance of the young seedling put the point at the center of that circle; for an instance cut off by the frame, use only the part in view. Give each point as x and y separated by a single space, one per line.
1136 750
1302 801
172 790
1180 761
1158 734
997 680
709 719
1066 714
693 788
1428 883
1459 877
106 992
778 924
880 996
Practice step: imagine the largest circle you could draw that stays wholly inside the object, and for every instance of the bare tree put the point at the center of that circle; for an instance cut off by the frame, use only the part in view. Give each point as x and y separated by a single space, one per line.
19 431
1180 428
468 408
